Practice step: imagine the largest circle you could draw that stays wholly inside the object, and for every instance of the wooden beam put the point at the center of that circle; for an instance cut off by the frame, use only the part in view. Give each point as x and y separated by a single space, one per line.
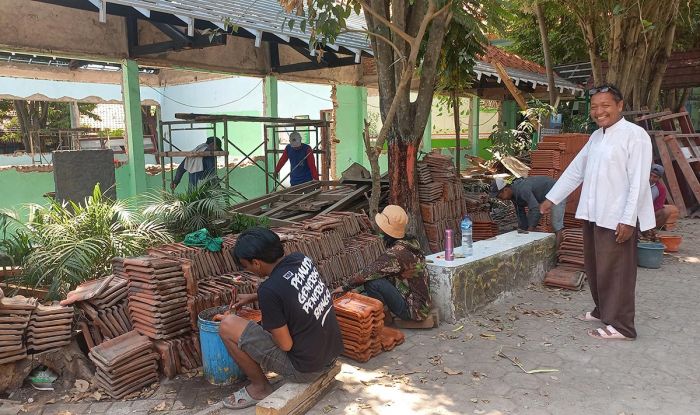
683 163
191 153
291 203
351 196
670 174
297 398
272 197
510 85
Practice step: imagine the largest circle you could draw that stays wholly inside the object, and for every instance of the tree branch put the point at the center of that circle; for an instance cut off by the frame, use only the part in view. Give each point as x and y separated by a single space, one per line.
378 36
405 36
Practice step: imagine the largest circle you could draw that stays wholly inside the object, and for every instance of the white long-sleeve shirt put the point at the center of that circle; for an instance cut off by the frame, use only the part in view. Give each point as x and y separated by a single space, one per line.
614 168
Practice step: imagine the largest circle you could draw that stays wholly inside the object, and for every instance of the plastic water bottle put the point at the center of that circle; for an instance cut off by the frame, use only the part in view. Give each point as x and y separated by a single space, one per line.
466 227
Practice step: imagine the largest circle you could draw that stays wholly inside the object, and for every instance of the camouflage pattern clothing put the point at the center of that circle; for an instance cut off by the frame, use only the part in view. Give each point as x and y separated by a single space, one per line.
403 265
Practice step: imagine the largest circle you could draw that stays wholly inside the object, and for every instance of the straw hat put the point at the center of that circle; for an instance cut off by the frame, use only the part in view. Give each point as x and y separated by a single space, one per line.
392 220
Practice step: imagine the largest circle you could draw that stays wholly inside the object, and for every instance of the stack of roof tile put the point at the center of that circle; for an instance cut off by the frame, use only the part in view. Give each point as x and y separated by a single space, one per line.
391 338
567 146
340 243
483 227
124 364
102 308
569 272
179 355
202 263
219 291
50 328
361 320
441 197
157 297
15 314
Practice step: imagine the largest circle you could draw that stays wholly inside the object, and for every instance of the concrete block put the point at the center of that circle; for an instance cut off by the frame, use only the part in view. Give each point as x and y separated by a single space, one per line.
498 266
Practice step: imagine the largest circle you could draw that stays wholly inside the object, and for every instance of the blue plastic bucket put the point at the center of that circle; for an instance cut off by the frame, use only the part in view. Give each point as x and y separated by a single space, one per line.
650 254
219 367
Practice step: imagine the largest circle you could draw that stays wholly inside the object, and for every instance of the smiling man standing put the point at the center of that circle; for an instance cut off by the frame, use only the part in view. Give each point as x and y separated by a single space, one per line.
614 169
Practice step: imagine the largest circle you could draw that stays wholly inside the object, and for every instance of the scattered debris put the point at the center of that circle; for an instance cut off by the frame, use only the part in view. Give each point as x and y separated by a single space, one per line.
451 372
518 364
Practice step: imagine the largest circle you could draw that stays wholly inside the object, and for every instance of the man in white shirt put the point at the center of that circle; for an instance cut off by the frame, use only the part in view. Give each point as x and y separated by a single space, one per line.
614 170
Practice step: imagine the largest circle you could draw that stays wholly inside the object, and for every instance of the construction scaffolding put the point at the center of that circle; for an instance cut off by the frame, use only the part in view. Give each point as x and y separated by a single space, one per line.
273 128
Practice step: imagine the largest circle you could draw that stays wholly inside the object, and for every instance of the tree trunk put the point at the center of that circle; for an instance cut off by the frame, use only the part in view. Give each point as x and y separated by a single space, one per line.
403 182
458 139
373 157
74 114
547 54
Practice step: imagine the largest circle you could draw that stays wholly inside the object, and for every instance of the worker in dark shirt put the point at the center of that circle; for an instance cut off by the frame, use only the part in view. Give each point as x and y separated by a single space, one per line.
299 337
529 192
199 168
301 161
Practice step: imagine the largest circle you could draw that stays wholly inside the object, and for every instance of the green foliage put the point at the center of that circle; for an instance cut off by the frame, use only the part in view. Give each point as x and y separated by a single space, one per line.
15 243
566 42
203 206
507 142
240 223
76 242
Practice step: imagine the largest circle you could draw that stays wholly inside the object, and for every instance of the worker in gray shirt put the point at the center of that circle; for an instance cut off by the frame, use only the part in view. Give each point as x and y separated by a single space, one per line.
530 192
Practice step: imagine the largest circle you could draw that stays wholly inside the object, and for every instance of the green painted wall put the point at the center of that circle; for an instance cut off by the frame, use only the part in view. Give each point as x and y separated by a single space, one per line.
349 121
20 189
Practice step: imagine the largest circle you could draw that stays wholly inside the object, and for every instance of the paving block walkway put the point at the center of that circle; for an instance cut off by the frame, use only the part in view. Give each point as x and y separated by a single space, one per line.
462 369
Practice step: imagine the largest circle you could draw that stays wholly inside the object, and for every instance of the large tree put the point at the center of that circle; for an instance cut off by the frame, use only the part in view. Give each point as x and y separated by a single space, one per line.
32 116
407 41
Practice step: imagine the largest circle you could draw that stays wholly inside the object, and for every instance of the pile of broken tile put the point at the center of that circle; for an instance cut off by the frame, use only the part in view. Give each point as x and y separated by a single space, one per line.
361 321
125 364
50 328
102 307
569 272
441 196
15 314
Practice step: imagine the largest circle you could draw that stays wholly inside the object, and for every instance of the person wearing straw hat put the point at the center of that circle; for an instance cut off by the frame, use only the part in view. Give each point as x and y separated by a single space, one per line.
398 278
301 160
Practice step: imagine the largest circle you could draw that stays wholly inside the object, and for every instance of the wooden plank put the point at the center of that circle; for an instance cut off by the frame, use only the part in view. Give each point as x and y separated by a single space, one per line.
200 118
273 197
510 85
670 174
652 116
672 116
291 203
687 170
351 196
297 398
191 153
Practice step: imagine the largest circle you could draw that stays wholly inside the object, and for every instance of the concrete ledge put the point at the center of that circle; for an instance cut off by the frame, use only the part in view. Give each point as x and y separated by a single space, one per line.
498 266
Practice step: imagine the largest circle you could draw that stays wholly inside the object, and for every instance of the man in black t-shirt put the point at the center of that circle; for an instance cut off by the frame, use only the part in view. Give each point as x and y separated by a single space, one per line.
299 337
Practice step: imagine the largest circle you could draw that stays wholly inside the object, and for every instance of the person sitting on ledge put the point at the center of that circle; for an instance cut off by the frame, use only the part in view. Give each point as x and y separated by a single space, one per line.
299 338
398 278
665 214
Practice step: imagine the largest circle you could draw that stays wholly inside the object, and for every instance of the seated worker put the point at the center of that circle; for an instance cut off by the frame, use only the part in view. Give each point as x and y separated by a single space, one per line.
398 278
199 168
530 192
299 337
665 214
301 160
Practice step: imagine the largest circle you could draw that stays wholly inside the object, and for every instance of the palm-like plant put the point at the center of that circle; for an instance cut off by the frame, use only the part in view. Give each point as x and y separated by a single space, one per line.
202 206
15 243
73 243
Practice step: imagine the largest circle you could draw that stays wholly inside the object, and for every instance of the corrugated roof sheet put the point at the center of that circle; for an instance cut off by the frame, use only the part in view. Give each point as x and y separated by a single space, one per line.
256 17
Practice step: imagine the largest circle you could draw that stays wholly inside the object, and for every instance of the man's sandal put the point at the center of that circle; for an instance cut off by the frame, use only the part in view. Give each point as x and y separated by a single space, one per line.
608 333
240 399
587 317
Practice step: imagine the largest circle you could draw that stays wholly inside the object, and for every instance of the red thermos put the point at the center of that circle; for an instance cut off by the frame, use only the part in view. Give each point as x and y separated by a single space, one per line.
449 245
